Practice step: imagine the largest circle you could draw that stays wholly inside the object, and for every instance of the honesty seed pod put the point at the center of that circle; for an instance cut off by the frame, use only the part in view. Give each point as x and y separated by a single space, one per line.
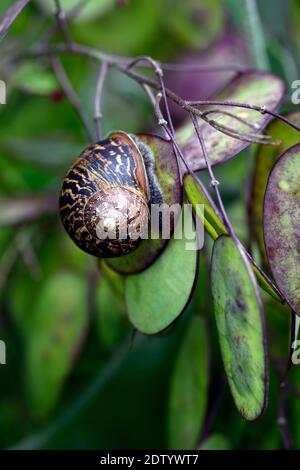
105 196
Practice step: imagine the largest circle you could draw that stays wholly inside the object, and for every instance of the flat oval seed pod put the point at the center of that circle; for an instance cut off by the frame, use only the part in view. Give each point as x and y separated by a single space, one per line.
158 295
281 221
241 327
265 157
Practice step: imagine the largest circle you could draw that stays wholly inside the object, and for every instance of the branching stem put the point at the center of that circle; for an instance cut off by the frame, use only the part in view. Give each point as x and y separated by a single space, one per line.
62 23
71 94
122 64
98 98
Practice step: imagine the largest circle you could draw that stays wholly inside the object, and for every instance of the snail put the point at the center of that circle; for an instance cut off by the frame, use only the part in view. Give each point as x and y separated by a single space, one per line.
106 195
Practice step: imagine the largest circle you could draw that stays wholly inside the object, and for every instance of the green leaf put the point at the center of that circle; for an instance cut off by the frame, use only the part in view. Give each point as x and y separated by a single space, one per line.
240 322
256 88
265 157
158 295
188 393
58 327
281 225
215 442
166 170
11 14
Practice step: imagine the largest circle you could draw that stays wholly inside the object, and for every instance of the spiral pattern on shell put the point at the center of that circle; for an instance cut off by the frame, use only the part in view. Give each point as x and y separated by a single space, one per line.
104 197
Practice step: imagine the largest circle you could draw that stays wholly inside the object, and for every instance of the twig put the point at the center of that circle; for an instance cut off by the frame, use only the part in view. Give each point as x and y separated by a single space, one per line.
213 181
234 116
98 98
60 72
122 63
243 136
62 23
71 95
21 244
70 15
170 136
198 68
25 248
155 103
115 59
260 109
159 73
215 184
73 48
191 106
178 152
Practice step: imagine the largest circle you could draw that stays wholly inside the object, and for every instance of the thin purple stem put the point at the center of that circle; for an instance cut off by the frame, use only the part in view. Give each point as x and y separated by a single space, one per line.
155 101
243 136
159 73
164 125
226 220
260 109
98 98
62 23
71 94
198 68
178 151
214 182
234 116
122 64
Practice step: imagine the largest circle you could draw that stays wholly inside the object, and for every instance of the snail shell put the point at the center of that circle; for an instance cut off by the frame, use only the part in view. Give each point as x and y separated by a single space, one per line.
105 196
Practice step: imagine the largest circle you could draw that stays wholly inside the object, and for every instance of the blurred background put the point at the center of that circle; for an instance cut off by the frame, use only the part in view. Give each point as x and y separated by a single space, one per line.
72 381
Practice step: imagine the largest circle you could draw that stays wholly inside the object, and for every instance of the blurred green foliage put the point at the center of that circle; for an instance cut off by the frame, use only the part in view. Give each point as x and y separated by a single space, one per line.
72 379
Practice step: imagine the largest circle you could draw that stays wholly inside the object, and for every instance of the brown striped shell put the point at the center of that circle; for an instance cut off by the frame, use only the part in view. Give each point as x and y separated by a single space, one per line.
104 198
